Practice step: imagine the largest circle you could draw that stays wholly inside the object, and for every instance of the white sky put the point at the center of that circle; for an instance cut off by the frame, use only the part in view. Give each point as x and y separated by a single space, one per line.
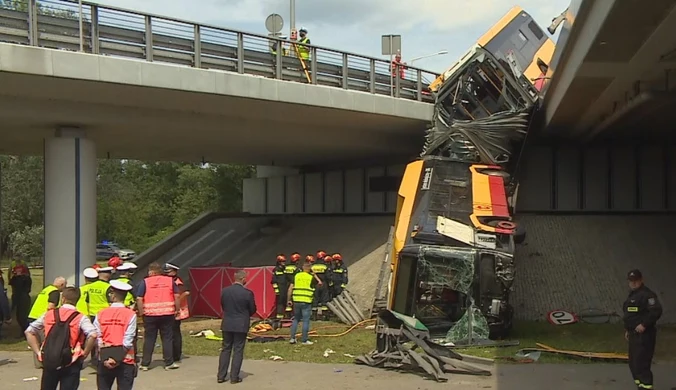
426 26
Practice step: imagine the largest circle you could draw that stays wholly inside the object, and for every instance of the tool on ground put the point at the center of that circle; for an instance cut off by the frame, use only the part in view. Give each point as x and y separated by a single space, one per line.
577 354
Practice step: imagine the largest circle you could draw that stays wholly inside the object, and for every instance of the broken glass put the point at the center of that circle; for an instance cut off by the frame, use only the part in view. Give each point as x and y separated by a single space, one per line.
446 267
471 327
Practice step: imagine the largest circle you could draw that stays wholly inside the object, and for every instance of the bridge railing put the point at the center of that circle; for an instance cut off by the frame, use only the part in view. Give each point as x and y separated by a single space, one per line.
118 32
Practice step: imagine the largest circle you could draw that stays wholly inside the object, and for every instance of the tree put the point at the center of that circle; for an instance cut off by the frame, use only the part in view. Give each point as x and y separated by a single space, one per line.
27 243
48 10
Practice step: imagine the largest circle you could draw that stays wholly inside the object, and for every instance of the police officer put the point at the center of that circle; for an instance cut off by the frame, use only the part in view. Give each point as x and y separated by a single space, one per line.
183 314
280 286
91 276
124 276
641 311
97 299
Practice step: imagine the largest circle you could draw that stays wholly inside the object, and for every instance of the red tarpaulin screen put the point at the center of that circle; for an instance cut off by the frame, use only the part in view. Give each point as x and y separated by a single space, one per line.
208 281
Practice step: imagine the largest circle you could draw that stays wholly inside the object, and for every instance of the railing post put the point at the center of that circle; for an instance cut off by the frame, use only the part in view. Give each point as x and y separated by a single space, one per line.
372 76
197 47
397 84
33 33
149 38
313 65
94 29
345 71
278 59
240 53
419 84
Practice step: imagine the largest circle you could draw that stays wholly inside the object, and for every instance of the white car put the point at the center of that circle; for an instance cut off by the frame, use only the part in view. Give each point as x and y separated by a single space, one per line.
105 251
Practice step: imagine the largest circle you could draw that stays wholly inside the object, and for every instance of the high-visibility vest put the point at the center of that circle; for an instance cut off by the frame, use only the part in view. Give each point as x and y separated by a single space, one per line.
41 303
184 313
113 322
82 305
303 50
98 297
76 336
302 288
319 269
129 299
290 272
159 297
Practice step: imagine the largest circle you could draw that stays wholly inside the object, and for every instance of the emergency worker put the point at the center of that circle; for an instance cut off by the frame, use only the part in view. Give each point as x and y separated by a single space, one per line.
303 50
82 333
21 282
184 312
280 286
338 274
275 44
115 261
290 271
300 295
49 298
322 271
91 276
641 311
124 275
158 300
116 328
97 299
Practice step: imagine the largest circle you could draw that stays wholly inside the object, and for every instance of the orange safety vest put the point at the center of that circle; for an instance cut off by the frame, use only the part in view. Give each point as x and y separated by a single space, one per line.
113 322
159 297
184 313
76 335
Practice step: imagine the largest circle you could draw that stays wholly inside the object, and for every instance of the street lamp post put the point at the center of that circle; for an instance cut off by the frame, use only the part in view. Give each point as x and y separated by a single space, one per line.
292 16
439 53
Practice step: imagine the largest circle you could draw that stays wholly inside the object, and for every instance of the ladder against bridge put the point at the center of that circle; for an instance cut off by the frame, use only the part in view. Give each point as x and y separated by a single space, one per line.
380 296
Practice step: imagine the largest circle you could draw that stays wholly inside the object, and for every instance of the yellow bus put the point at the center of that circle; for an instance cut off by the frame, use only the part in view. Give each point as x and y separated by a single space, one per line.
519 41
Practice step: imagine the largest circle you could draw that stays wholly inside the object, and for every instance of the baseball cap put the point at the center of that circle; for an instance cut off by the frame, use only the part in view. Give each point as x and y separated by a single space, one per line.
634 275
90 273
122 286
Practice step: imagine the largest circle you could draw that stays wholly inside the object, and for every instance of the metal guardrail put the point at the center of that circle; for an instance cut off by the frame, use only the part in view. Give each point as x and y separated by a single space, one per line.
118 32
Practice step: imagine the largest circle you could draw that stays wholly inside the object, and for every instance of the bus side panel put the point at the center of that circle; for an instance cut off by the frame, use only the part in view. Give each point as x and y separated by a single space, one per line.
402 229
545 53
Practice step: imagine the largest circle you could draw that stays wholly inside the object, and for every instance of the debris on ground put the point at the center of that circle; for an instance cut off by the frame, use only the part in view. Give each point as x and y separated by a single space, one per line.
327 352
346 309
276 358
6 361
393 352
203 333
577 354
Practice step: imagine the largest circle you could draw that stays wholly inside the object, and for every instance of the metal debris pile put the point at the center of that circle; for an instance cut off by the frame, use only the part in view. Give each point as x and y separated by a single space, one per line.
397 345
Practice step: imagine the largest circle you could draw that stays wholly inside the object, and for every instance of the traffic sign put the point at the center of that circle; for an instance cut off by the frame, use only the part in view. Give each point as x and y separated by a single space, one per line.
274 23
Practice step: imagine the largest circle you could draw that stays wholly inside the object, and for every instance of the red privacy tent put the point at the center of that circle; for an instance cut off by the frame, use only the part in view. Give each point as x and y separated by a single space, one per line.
208 281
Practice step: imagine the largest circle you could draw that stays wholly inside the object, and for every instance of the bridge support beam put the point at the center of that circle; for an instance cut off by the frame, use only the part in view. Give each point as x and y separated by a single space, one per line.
70 205
274 171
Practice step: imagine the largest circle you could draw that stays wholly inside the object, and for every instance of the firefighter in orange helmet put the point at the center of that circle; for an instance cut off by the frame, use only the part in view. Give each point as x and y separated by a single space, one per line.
280 286
338 275
323 271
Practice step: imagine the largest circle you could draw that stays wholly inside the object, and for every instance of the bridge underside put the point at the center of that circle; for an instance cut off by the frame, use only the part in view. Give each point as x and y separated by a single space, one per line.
613 78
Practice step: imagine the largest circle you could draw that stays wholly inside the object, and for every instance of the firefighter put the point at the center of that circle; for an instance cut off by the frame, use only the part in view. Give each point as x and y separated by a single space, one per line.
338 275
21 282
280 286
641 311
290 271
323 272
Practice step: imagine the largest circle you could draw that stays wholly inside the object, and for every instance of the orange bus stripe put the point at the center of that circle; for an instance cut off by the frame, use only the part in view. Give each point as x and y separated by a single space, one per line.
481 195
498 196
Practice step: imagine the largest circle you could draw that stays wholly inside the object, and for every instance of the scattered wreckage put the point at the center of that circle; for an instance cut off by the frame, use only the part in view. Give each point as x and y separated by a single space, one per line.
455 235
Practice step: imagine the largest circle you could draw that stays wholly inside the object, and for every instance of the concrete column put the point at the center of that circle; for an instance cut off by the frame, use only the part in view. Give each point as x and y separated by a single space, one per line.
70 205
263 171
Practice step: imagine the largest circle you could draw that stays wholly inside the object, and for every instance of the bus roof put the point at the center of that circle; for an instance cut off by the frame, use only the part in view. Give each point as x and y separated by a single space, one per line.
501 24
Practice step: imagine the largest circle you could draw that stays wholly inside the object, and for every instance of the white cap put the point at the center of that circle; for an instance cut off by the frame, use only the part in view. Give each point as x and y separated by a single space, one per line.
132 265
122 286
125 267
106 269
171 266
90 273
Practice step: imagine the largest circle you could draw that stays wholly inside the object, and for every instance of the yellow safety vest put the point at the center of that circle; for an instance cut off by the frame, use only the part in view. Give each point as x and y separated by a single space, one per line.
41 303
82 306
302 288
129 299
98 299
303 50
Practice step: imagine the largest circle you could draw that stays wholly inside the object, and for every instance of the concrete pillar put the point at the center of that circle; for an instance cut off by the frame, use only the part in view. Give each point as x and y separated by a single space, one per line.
70 205
263 171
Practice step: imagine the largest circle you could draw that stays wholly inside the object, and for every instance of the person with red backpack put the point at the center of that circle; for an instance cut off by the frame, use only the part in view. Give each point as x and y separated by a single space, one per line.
116 326
69 337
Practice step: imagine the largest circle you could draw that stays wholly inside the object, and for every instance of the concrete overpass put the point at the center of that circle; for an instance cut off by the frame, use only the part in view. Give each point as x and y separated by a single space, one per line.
612 71
142 86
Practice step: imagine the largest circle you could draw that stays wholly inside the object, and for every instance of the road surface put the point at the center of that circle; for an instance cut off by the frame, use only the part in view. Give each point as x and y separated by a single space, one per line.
200 373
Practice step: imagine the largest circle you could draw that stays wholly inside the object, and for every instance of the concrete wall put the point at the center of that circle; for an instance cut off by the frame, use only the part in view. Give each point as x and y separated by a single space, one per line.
610 178
335 192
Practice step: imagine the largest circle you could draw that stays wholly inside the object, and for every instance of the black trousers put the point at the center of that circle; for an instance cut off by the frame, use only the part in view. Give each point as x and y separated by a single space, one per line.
280 305
21 306
124 373
322 295
163 324
67 377
336 290
641 351
177 349
233 344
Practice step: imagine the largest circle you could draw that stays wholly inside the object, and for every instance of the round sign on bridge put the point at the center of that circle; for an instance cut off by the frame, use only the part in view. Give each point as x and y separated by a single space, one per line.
274 23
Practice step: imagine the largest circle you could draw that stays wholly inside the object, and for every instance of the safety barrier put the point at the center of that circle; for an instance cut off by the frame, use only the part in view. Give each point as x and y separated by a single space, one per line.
117 32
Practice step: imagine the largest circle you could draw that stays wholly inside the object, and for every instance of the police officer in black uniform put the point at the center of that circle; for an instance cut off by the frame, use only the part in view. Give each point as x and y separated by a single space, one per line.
641 311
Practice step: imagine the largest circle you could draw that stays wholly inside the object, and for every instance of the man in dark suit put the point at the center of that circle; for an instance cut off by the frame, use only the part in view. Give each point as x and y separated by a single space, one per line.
238 306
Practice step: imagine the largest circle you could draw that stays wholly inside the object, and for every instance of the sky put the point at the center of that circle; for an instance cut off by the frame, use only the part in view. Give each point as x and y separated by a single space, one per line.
426 26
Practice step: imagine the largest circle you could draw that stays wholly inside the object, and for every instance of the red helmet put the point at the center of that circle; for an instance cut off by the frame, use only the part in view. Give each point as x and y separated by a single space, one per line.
328 259
295 257
337 257
310 259
96 266
115 262
321 254
281 258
